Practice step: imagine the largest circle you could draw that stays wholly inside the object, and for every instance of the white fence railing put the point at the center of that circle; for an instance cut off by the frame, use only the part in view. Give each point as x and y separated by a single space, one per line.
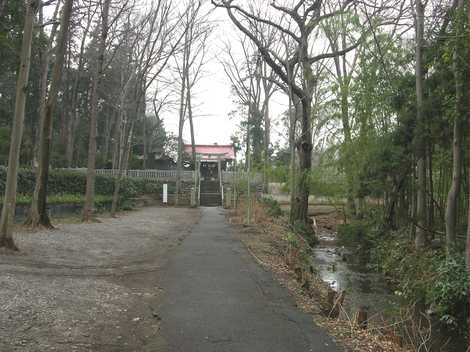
231 176
170 175
162 175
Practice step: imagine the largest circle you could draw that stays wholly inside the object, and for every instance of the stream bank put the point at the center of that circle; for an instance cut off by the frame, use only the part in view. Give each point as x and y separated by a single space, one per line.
365 289
271 243
340 268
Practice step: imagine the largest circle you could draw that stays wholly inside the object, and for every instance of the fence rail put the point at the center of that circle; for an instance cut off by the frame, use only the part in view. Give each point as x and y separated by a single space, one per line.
161 175
170 175
231 176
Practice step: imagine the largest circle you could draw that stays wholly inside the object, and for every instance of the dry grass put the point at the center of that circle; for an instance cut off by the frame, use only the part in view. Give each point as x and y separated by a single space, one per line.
267 240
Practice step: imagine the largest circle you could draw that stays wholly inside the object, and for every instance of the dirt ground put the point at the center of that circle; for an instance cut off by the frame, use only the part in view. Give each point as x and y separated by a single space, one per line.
89 287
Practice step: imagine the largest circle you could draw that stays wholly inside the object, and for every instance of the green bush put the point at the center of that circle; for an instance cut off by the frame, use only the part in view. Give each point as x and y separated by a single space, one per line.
272 206
153 188
73 182
278 173
353 234
360 237
449 294
325 181
101 201
242 187
441 284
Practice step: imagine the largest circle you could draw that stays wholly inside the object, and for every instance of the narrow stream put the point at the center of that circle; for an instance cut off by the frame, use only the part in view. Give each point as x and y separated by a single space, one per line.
363 288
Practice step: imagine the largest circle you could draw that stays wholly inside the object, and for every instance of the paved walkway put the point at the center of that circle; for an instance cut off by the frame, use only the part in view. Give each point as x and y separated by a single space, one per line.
218 299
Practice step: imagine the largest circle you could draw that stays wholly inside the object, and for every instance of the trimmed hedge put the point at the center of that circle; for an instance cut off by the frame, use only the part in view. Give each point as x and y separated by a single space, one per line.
75 199
72 182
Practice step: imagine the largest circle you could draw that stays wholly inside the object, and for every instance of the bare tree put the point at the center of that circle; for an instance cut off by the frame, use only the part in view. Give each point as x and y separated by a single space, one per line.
245 78
74 115
267 80
192 56
45 55
337 31
39 215
307 16
155 43
9 204
197 63
96 78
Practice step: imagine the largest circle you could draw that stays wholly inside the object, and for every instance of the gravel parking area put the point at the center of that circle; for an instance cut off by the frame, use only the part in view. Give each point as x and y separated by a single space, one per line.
89 287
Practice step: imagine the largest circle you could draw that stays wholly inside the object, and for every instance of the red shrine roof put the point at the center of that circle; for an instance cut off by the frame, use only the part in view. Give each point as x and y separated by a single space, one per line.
211 151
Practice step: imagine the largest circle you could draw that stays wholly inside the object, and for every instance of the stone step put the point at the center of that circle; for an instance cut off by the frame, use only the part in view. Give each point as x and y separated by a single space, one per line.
211 199
210 188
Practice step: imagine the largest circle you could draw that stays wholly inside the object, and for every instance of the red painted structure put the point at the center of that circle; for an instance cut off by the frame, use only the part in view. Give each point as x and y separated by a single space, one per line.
209 152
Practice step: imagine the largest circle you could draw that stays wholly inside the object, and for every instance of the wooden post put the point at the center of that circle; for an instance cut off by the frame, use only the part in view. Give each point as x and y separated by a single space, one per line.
248 197
193 197
228 195
361 317
221 183
335 302
298 273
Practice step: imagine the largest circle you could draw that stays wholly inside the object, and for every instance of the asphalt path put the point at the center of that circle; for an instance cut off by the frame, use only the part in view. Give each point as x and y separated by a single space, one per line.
217 298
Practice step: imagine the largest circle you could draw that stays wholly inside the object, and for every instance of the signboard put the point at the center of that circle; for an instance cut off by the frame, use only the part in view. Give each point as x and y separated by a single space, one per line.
165 193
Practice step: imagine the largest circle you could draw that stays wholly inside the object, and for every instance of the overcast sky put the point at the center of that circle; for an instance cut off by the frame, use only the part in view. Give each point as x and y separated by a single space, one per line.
213 101
213 98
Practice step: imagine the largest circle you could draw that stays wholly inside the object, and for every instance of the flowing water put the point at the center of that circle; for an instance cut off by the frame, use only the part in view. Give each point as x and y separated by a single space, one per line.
363 288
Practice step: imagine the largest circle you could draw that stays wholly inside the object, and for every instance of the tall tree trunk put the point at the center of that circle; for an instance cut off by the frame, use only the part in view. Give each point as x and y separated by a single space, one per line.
9 203
98 72
144 124
118 138
295 112
248 159
453 195
266 142
45 56
299 209
191 124
74 113
420 238
125 144
110 118
413 200
3 4
179 162
430 187
348 164
467 245
145 142
118 127
122 168
39 215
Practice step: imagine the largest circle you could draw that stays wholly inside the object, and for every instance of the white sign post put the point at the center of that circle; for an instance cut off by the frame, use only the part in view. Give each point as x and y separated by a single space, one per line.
165 193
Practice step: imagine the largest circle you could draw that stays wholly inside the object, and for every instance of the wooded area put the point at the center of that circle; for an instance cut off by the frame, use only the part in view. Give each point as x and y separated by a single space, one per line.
378 117
377 113
88 73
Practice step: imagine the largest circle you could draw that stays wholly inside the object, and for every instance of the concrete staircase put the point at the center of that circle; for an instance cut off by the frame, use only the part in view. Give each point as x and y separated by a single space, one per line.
210 194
